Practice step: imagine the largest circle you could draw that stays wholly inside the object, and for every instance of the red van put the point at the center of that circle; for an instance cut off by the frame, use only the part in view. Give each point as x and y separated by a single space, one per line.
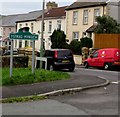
105 58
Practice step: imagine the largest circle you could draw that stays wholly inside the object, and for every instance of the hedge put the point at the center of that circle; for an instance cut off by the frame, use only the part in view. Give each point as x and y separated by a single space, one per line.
18 61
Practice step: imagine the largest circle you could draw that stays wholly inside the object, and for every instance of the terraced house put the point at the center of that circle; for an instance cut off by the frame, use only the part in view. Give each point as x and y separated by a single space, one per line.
80 17
76 20
7 25
28 20
54 18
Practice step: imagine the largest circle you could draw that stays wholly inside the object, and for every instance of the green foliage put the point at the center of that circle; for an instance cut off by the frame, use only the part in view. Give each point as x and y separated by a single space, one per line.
107 24
75 46
86 42
58 39
18 61
24 76
23 99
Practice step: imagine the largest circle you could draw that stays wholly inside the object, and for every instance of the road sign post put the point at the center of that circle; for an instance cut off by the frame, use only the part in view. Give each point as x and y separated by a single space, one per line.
23 34
33 57
11 59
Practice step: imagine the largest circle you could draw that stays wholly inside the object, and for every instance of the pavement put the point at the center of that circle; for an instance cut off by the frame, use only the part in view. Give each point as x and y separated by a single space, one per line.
59 87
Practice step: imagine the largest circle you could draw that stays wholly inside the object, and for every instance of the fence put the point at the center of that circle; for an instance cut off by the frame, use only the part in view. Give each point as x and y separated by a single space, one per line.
107 41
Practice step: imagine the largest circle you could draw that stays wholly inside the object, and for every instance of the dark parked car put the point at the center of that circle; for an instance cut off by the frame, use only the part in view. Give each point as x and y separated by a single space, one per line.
59 59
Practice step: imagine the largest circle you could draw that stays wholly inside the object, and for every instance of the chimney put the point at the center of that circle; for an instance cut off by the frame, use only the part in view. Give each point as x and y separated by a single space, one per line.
51 5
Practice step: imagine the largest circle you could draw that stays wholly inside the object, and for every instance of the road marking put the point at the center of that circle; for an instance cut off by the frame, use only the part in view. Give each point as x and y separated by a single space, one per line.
108 71
115 82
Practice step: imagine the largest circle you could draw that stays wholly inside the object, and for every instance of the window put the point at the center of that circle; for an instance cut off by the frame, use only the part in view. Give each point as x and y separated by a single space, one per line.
85 17
20 25
20 43
75 17
95 55
3 29
26 43
15 43
31 43
50 26
75 35
10 29
96 13
59 24
26 24
32 27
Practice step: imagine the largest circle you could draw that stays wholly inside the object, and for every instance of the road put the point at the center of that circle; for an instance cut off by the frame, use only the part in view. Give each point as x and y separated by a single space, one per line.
97 101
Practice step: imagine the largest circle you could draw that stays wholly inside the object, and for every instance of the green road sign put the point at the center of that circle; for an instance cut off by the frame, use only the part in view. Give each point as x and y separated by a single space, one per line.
23 34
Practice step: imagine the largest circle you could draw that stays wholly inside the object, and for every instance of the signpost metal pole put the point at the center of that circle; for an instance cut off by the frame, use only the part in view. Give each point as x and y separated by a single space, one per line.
42 31
11 59
23 35
33 57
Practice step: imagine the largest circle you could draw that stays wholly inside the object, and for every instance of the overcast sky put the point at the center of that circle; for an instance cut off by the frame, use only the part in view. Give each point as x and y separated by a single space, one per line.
8 7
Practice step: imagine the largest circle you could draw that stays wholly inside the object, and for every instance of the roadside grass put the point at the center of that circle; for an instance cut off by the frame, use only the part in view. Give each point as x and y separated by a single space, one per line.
25 76
23 99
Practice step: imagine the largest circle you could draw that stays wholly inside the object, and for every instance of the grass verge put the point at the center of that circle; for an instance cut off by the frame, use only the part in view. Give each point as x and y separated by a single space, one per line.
23 99
24 76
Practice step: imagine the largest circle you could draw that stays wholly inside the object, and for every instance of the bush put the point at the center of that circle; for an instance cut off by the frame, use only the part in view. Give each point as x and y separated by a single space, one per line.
58 39
18 61
75 46
86 42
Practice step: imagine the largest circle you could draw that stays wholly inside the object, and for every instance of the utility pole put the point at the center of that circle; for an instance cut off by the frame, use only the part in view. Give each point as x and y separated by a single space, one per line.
42 32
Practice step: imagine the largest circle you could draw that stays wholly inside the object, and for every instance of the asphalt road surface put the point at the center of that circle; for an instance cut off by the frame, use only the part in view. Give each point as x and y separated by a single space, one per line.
97 101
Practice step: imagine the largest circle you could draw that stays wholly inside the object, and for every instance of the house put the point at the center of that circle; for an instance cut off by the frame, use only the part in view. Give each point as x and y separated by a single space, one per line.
28 20
7 26
80 18
54 18
10 24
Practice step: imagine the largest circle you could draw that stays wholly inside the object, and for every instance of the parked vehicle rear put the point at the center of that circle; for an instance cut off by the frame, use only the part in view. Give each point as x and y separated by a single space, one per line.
59 59
105 58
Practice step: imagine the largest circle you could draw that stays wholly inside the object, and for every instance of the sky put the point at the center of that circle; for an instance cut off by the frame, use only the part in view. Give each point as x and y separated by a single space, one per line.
9 7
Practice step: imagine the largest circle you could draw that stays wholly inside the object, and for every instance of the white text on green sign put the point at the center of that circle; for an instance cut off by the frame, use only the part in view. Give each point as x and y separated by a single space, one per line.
24 37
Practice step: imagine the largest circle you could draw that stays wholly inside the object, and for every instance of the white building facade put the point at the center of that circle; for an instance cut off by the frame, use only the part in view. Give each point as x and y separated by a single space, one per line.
54 18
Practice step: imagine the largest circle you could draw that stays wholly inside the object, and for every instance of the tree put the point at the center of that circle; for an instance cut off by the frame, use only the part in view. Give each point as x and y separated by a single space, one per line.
86 42
107 24
58 39
75 46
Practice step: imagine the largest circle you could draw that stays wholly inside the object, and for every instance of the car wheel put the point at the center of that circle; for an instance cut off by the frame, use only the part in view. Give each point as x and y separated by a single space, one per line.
106 66
71 69
51 68
86 65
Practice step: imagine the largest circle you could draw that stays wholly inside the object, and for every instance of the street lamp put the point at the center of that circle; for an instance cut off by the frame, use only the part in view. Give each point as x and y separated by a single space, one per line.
42 31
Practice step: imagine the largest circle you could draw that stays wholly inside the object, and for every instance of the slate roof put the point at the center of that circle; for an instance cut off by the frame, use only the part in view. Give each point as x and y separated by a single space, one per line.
10 20
55 13
77 5
30 16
